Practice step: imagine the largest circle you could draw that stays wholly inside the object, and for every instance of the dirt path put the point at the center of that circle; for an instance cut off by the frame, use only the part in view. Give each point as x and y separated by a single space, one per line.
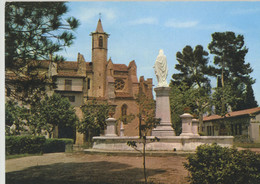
83 168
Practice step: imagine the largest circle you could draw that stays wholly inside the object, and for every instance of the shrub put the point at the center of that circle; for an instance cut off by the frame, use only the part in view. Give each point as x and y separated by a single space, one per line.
221 165
67 141
24 144
56 145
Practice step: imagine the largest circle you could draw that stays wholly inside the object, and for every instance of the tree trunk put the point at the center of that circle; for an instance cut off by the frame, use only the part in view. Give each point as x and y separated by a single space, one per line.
89 136
145 177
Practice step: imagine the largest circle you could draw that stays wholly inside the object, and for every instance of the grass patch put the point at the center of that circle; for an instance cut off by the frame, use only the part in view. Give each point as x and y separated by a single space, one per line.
247 145
7 157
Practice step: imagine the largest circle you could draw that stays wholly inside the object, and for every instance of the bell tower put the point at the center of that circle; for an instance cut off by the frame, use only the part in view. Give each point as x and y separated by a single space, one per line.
99 60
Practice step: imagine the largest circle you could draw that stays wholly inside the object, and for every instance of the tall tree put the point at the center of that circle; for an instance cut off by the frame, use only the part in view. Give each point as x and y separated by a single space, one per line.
194 73
230 52
193 67
34 31
249 99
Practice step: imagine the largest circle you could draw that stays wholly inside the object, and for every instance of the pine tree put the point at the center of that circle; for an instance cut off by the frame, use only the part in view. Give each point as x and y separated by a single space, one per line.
194 73
249 99
230 52
34 31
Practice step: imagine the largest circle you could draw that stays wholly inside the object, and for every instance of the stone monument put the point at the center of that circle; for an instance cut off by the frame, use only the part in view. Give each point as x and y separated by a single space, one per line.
187 141
162 98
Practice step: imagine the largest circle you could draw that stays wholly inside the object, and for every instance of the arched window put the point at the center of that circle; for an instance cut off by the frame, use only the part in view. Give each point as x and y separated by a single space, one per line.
100 41
124 112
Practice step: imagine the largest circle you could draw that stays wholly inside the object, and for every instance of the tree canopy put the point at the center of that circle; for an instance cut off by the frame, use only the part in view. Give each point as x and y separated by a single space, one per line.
230 65
191 86
15 116
34 31
94 120
51 112
193 67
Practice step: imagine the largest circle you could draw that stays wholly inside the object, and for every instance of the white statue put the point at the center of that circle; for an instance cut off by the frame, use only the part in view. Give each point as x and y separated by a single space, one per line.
161 69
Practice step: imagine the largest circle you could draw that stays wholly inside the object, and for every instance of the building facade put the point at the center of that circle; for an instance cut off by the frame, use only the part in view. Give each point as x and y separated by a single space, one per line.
101 79
242 124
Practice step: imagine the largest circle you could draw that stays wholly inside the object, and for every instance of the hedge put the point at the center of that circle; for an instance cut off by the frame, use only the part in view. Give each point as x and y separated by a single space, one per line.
35 144
221 165
24 144
56 145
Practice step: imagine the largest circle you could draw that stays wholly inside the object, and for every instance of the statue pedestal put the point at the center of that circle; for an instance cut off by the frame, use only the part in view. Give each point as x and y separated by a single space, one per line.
111 127
163 112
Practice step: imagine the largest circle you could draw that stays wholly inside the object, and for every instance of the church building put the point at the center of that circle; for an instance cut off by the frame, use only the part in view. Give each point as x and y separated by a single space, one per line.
101 79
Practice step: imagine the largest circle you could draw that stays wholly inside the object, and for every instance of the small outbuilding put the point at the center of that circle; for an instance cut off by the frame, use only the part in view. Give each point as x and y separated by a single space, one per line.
243 124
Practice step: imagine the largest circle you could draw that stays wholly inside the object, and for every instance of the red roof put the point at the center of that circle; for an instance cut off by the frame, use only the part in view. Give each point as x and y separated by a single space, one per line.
68 65
233 114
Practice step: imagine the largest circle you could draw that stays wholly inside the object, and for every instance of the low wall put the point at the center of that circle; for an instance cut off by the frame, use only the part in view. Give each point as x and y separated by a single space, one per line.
180 143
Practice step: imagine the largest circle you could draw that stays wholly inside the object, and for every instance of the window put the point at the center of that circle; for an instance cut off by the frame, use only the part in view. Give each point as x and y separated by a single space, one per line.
208 130
124 112
100 41
68 85
88 83
119 84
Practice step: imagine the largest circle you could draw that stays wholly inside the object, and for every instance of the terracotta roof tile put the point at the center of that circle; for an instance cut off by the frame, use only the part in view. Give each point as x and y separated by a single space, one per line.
72 65
233 114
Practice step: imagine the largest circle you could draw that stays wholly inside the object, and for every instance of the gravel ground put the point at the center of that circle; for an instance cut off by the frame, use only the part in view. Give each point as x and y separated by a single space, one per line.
82 168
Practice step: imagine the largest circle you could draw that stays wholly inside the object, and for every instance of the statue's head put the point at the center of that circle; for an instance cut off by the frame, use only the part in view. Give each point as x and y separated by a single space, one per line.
160 52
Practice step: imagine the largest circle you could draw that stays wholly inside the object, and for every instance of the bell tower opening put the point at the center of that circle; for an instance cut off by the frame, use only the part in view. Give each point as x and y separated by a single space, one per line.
100 42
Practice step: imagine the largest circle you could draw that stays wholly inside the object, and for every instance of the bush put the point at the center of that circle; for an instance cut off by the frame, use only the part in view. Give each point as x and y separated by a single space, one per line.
24 144
56 145
217 165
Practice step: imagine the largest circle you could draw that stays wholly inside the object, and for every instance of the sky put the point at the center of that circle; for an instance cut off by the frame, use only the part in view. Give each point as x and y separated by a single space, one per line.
139 29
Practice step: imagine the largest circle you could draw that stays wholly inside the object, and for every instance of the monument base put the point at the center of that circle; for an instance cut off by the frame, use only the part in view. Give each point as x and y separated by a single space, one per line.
163 112
166 143
164 129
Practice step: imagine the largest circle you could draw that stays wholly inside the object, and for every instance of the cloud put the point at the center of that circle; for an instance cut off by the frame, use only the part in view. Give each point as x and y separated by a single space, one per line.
179 24
220 28
245 11
148 20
